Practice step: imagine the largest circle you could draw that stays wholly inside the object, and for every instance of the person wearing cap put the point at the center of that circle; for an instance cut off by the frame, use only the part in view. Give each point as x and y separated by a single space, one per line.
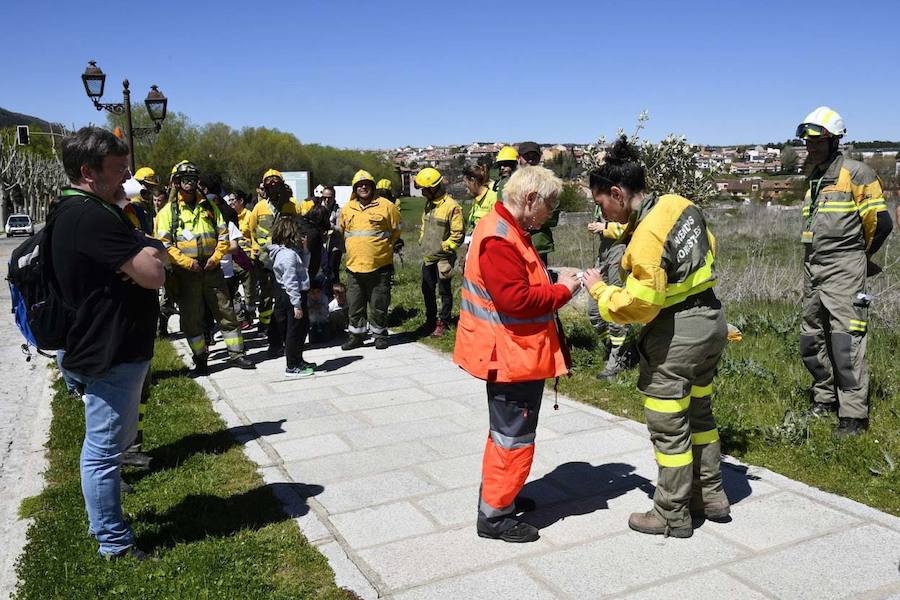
145 209
845 222
274 199
371 227
542 239
441 234
506 162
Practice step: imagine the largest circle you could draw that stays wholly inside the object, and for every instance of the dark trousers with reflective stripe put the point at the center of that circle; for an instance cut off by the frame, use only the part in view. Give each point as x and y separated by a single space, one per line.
431 279
509 450
679 356
833 334
368 300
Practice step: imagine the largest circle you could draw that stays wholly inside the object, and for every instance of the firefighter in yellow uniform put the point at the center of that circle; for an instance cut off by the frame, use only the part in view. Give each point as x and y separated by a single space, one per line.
275 199
195 236
441 234
669 273
371 228
845 221
507 162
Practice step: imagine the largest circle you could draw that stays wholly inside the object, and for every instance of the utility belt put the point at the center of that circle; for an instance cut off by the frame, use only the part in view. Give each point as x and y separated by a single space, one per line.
706 298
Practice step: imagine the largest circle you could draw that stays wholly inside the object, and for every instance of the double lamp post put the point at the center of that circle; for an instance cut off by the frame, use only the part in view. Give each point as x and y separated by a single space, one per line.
94 81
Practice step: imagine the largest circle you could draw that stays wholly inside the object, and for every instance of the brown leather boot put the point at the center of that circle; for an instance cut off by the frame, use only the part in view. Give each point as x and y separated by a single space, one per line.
650 523
716 510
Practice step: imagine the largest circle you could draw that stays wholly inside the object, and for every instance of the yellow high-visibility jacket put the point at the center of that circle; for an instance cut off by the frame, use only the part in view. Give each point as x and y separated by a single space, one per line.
305 206
481 206
244 225
669 258
192 233
840 211
369 233
442 229
261 221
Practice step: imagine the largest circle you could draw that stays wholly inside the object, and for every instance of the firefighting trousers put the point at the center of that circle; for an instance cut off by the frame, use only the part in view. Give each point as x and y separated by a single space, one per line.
368 300
833 334
509 450
612 335
206 290
431 279
266 299
679 353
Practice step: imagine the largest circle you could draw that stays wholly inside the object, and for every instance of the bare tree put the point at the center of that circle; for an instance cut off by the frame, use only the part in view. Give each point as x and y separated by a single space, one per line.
28 180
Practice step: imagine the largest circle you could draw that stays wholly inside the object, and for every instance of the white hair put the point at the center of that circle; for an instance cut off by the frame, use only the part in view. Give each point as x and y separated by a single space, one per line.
531 179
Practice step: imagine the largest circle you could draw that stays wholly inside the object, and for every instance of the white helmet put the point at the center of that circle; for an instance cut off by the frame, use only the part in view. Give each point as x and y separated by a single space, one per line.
318 191
821 121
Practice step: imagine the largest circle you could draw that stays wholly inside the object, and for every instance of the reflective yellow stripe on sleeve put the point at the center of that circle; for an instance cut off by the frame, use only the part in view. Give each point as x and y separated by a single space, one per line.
701 391
642 292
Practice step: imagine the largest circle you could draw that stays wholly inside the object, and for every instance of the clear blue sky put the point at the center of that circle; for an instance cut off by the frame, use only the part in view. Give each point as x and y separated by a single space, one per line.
388 73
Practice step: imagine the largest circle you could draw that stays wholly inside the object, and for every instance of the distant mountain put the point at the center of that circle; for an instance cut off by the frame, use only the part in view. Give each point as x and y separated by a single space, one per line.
11 119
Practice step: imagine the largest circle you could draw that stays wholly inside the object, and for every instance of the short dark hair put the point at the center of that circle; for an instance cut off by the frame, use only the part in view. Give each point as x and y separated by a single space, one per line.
621 167
88 146
329 188
478 172
212 183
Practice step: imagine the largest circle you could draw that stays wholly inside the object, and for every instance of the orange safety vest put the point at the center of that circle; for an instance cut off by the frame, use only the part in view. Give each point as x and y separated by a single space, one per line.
491 345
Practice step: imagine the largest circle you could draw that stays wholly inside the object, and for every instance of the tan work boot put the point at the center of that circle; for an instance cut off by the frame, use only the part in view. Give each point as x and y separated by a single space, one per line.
650 523
716 510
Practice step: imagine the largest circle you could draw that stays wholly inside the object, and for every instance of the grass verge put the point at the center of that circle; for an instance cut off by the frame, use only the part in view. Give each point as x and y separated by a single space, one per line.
202 509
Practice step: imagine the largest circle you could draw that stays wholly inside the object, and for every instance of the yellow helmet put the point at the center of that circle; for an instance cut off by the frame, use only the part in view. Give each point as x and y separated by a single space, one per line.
428 178
507 153
384 184
147 176
362 175
273 173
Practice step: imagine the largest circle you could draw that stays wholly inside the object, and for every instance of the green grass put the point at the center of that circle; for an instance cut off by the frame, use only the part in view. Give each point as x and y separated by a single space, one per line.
762 388
216 528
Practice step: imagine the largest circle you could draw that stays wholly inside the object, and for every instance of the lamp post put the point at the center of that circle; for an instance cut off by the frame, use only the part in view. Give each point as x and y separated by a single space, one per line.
94 80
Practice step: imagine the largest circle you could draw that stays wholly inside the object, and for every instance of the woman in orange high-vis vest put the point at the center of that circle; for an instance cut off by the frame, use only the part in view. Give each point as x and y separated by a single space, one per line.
507 335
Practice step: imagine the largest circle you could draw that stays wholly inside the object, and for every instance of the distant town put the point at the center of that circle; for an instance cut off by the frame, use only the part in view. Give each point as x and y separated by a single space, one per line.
769 172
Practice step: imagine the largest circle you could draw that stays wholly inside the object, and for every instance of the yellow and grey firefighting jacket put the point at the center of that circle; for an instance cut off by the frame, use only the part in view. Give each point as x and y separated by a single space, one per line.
244 225
481 206
669 258
192 233
442 229
369 233
840 211
260 223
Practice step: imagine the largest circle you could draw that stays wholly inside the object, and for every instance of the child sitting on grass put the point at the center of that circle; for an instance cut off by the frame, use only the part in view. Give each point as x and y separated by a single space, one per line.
337 310
290 318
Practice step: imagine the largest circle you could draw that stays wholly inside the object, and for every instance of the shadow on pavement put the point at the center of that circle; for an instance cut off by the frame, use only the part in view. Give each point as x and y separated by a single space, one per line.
202 516
333 364
588 488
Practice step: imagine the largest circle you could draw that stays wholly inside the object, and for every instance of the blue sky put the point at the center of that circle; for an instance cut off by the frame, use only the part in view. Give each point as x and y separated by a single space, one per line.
381 74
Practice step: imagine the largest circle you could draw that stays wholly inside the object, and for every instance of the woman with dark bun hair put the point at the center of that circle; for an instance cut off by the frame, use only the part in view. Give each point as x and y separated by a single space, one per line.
669 273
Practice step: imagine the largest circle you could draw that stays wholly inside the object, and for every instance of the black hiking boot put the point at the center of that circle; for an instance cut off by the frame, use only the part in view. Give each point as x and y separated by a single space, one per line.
241 362
850 427
201 366
518 533
355 341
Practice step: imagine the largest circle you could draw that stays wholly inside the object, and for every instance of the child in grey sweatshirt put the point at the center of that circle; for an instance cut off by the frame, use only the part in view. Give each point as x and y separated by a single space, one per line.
290 315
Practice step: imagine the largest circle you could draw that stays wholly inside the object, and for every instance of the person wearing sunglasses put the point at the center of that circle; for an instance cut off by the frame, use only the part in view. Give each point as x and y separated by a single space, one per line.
845 222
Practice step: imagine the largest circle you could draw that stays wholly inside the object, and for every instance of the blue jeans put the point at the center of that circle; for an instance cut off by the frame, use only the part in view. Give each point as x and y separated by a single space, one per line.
111 415
71 384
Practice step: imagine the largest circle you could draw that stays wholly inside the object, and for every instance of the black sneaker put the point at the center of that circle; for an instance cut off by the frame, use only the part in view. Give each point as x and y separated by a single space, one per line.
136 459
381 342
520 533
850 427
308 365
241 362
821 409
130 552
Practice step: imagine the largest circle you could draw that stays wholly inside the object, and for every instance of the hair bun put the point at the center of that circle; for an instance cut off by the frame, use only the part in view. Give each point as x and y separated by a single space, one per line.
622 152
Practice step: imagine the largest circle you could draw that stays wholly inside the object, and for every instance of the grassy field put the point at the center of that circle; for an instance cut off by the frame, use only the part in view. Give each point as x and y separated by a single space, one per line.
203 511
762 389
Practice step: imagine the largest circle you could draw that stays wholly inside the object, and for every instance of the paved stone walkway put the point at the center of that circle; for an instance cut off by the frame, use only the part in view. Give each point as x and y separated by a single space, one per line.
378 458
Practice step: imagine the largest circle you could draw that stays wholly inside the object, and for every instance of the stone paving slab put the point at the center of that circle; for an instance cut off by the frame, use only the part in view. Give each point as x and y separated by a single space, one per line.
384 450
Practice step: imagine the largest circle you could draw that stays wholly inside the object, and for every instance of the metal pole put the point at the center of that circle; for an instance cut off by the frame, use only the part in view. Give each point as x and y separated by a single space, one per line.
126 94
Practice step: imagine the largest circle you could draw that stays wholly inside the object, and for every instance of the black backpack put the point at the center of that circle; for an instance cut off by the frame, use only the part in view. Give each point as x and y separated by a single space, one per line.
41 315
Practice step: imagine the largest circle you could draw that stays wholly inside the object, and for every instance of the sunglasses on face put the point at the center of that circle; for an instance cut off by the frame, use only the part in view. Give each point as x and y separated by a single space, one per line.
189 179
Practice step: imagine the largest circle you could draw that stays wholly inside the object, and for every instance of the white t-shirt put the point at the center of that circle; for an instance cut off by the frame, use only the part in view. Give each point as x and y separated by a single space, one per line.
227 263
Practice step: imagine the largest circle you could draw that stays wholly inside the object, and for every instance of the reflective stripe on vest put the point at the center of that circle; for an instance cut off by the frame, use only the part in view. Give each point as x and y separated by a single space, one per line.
494 316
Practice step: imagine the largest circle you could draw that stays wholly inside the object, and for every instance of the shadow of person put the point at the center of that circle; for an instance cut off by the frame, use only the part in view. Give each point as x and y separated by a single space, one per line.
586 488
202 516
169 456
333 364
736 482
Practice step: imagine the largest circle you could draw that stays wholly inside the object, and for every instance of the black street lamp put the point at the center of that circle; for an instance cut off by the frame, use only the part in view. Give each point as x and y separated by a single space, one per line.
94 80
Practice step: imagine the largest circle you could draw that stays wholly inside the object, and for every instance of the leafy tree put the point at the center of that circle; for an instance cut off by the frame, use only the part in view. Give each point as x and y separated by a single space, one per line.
789 160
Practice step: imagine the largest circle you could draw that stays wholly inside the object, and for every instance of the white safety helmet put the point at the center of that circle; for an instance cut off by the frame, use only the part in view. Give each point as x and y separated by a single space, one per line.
821 121
318 191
